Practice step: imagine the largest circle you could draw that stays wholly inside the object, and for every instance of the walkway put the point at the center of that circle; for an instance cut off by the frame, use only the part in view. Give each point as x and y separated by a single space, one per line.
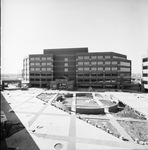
49 125
21 139
114 122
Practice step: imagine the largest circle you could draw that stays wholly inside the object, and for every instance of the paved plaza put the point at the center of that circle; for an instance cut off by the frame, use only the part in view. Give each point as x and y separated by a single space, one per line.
50 126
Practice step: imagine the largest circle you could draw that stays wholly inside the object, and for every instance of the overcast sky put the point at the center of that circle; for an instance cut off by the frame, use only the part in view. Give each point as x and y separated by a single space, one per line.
29 26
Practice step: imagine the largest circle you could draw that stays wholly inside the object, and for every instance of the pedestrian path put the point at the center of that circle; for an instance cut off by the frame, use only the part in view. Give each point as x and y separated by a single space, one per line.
49 126
123 133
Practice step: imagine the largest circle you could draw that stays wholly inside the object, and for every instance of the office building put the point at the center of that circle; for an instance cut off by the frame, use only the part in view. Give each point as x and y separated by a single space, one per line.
98 70
145 72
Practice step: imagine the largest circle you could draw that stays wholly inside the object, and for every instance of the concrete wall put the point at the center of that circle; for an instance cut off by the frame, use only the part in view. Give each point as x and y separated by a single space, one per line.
90 110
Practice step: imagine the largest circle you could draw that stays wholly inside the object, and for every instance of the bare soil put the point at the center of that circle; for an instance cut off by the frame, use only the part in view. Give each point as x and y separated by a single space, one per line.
127 112
136 129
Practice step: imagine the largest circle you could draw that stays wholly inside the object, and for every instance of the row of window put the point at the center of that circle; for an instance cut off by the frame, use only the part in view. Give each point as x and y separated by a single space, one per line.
40 58
82 63
38 74
101 68
105 62
145 74
41 64
40 80
145 67
99 57
95 75
145 59
96 80
145 82
41 69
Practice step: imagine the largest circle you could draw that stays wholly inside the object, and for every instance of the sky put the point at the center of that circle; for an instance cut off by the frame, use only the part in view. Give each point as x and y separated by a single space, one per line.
29 26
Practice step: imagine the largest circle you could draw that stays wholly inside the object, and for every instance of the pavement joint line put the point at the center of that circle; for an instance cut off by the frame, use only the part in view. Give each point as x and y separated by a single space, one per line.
88 141
119 128
40 111
72 132
36 115
108 143
22 103
48 114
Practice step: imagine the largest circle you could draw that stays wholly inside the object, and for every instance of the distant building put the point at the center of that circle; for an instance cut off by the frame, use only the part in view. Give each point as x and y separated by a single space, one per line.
136 78
84 69
145 71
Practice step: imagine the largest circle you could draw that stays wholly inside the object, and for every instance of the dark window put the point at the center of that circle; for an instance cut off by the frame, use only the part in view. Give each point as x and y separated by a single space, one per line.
43 74
93 80
94 75
108 80
100 80
145 67
80 80
66 75
48 79
31 74
107 74
37 79
86 80
43 79
37 74
145 75
100 74
86 75
145 82
145 59
80 74
114 74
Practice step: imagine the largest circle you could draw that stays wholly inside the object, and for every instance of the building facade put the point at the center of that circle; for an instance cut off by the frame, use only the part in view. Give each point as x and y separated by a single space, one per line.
145 72
100 70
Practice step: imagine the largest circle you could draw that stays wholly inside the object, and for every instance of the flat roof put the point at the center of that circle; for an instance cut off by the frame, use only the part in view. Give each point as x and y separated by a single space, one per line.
66 50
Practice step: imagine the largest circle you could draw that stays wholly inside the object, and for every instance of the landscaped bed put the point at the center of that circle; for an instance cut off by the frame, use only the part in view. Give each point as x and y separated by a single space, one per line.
67 101
86 103
136 129
127 112
105 125
45 96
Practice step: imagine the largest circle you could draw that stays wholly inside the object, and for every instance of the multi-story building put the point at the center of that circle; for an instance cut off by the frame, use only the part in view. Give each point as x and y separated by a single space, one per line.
38 69
145 72
100 70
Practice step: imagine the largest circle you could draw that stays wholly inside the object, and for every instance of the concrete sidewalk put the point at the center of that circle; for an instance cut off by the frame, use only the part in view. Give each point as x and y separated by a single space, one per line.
21 139
49 126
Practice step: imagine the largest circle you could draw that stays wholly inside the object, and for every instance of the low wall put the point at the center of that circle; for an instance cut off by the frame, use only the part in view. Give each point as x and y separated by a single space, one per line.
84 110
90 110
113 108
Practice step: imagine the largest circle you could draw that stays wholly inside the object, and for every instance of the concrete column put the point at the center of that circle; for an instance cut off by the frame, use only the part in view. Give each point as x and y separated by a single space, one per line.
73 105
